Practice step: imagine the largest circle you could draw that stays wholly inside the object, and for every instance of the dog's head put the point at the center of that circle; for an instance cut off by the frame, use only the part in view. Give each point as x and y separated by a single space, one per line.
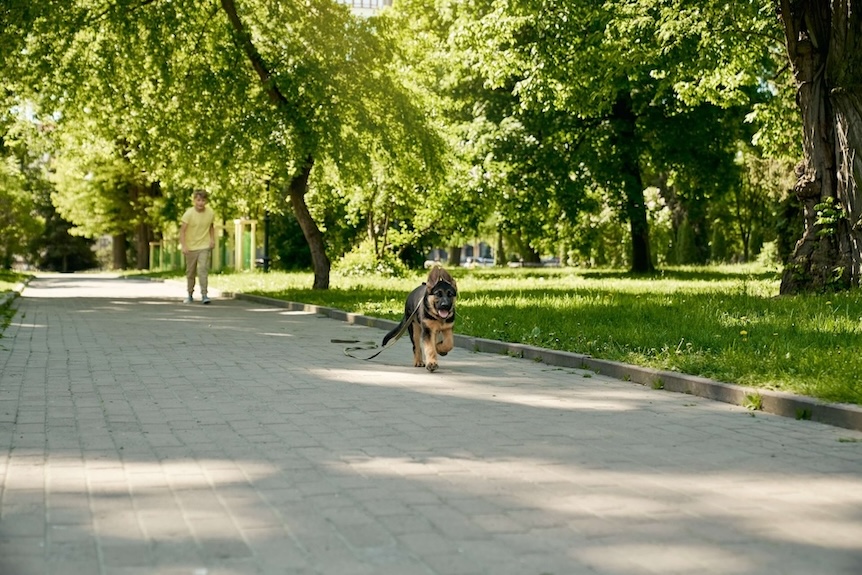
441 292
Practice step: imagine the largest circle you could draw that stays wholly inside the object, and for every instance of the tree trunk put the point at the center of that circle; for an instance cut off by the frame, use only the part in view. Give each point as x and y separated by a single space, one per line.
846 58
633 188
319 259
641 256
823 45
529 255
143 236
118 252
144 233
500 258
454 256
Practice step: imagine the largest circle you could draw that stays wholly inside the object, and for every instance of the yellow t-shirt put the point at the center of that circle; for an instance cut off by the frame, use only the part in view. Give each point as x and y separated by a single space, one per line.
198 228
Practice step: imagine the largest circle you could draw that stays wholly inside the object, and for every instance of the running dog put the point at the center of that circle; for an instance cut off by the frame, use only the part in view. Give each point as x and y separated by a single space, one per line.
429 315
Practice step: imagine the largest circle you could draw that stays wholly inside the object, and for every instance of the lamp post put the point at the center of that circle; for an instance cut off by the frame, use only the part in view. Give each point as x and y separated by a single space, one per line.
266 258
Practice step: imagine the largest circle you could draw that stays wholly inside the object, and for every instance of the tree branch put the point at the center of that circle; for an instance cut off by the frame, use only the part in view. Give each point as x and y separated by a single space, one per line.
256 59
104 13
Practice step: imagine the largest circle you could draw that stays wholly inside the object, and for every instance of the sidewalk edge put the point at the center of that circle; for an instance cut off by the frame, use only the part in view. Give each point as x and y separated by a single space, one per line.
847 416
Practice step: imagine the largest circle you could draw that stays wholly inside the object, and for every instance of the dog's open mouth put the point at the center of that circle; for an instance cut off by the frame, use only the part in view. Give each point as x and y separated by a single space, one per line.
444 313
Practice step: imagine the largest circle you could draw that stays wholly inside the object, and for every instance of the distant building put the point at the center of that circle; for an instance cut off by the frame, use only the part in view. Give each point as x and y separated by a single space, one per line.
366 7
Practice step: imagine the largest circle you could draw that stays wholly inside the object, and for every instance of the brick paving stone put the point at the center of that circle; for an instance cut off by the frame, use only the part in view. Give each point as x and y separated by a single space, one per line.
141 436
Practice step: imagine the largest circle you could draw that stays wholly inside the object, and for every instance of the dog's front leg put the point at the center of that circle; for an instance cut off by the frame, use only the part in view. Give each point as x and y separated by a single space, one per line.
447 343
429 344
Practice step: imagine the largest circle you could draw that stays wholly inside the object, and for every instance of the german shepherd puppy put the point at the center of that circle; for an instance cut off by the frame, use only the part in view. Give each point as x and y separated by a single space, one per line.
431 325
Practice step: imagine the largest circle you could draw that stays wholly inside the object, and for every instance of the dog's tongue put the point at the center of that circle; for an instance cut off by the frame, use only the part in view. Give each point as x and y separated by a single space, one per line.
444 313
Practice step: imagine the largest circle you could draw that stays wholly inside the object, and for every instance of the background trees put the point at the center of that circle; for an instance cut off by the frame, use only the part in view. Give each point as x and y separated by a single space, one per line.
547 128
18 218
242 97
562 105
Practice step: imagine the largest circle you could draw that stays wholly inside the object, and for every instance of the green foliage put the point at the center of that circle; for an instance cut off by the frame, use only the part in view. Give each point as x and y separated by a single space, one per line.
17 213
288 248
769 256
755 202
93 182
61 251
434 123
363 261
776 121
753 402
829 213
551 102
24 186
167 91
512 168
7 312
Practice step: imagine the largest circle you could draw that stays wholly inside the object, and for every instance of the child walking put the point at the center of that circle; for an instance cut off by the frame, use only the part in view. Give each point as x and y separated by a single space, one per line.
197 239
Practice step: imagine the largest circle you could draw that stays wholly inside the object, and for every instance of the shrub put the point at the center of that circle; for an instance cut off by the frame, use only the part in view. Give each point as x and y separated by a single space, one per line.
362 260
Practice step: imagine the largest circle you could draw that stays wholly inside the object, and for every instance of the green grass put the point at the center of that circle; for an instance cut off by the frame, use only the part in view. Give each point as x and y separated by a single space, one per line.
725 323
9 279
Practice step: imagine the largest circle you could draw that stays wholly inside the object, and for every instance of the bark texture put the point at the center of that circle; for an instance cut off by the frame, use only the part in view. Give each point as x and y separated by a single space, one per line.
319 260
824 39
635 204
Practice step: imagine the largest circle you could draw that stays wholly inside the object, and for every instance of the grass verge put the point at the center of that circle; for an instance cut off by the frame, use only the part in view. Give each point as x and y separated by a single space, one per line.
9 279
724 323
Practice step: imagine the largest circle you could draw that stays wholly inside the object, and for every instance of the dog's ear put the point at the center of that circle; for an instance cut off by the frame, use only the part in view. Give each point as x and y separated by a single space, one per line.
449 280
438 274
433 276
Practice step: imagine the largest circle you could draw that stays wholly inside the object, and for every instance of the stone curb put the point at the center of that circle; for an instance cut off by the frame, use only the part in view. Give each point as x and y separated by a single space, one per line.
780 403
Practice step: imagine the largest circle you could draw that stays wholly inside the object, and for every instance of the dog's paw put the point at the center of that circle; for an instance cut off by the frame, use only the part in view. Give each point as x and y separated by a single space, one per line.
431 366
418 364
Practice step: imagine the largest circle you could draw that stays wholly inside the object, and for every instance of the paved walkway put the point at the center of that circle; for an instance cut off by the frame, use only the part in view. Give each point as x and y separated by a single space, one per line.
139 435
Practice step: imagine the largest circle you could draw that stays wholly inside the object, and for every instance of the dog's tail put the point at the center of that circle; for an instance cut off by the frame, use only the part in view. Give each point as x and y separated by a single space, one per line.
395 331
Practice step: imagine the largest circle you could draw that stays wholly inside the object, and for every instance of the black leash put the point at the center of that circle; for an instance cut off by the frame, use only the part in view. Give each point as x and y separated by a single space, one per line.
371 344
